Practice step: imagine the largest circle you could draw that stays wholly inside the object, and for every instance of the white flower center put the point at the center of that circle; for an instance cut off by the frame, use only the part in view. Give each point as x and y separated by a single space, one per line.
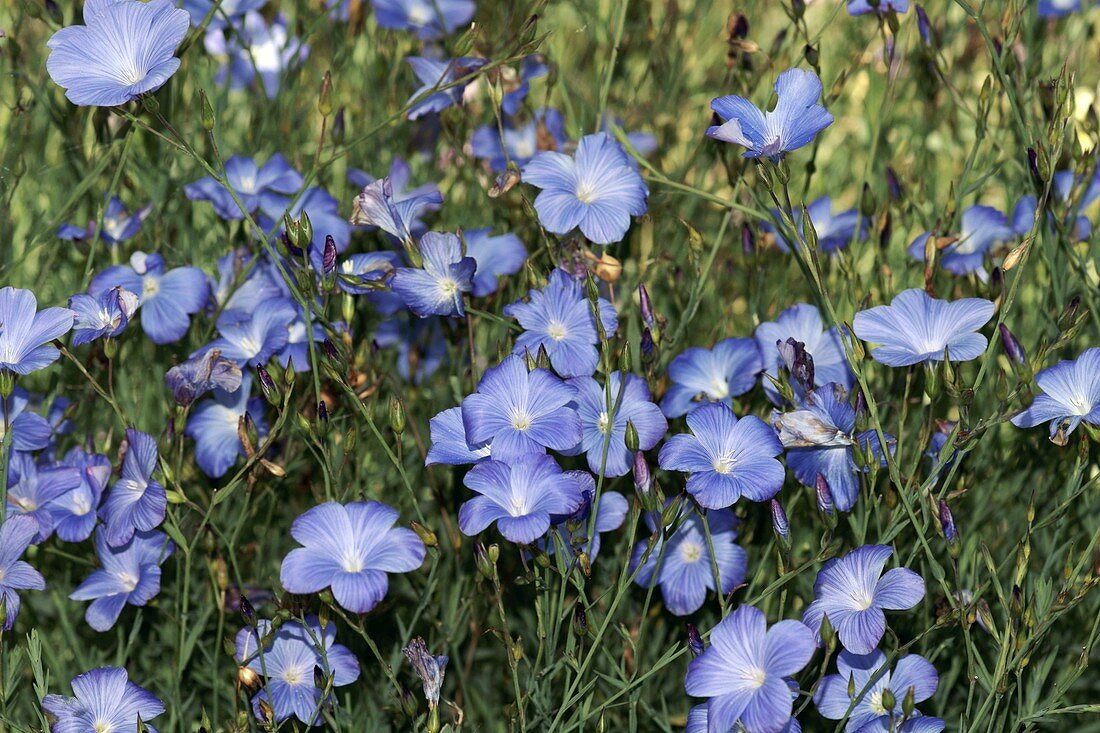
874 702
294 675
517 506
448 286
586 192
129 582
249 345
81 506
603 423
247 184
755 677
862 600
557 331
420 14
723 464
1081 404
719 389
351 562
691 552
267 56
150 286
103 726
524 147
521 420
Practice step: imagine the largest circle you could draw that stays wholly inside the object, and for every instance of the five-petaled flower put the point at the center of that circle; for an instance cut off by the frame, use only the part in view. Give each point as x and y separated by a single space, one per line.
916 328
865 685
105 701
26 332
1071 396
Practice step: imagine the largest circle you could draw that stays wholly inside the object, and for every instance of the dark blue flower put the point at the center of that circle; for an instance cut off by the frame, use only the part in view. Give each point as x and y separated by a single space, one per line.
1058 8
518 141
683 567
74 512
744 671
16 534
795 121
559 318
253 338
130 574
725 458
26 332
266 187
596 191
853 592
106 702
125 49
701 375
834 231
521 412
29 430
521 497
167 299
916 328
434 75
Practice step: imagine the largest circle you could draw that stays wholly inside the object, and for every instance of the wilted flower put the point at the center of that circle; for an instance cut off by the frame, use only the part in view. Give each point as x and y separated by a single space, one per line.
105 316
200 374
803 323
430 669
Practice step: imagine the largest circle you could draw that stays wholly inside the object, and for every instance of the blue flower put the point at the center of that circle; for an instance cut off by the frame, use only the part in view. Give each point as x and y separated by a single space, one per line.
16 534
136 501
516 88
200 374
597 190
850 591
862 7
256 49
74 512
436 288
517 141
573 532
229 12
104 317
124 50
834 231
266 187
683 567
521 412
167 299
631 403
795 121
803 323
106 700
869 678
1058 8
429 18
701 375
411 203
118 225
296 352
434 75
213 426
698 721
820 437
290 659
744 671
130 574
1071 395
503 254
365 274
420 343
253 338
32 491
982 227
559 318
243 282
521 497
350 548
26 332
726 458
29 431
449 446
916 328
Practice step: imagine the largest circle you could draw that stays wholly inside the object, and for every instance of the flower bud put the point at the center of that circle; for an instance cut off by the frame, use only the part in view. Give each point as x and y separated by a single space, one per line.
485 566
867 203
631 437
322 411
888 700
1012 347
645 306
207 111
397 417
426 536
780 525
580 621
893 185
1068 318
825 500
748 239
248 677
324 99
695 641
643 480
909 702
328 258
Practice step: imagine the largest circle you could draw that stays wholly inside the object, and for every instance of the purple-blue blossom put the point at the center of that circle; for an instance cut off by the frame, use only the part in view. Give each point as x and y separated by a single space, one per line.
33 489
105 701
125 48
438 287
74 512
448 441
725 458
630 402
521 411
105 316
834 231
596 190
683 567
982 227
137 501
117 226
521 497
129 574
868 678
495 256
700 375
27 332
213 425
428 18
744 671
253 338
256 49
559 319
853 592
29 430
16 534
803 323
350 548
917 328
267 187
519 141
861 7
795 121
1070 396
201 373
440 87
573 532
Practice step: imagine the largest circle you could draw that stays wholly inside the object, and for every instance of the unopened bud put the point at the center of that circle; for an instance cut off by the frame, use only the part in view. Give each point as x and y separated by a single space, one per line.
426 536
580 621
328 257
324 99
1068 318
322 411
645 306
631 437
780 525
397 417
825 500
1012 347
207 111
695 641
888 699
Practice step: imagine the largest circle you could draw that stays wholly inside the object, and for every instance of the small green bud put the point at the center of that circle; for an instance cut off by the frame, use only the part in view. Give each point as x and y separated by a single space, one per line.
631 437
207 111
397 417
